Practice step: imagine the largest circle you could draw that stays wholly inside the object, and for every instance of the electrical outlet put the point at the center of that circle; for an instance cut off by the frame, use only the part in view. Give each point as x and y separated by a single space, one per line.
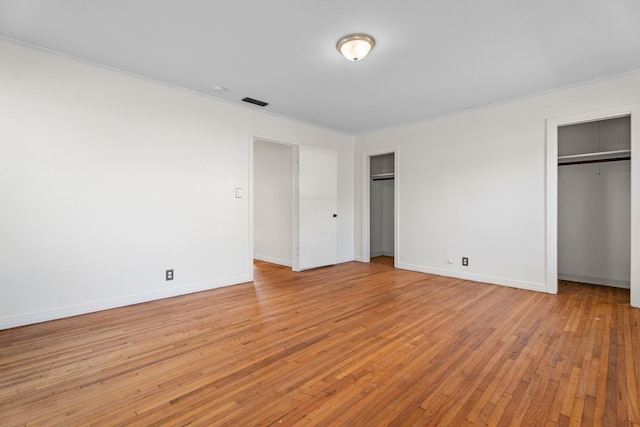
168 275
465 261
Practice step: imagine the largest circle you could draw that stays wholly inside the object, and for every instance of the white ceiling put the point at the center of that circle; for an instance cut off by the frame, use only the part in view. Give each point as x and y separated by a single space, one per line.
432 57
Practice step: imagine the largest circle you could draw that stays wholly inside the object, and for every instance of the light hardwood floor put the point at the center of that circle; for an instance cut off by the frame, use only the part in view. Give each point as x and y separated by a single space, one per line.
350 345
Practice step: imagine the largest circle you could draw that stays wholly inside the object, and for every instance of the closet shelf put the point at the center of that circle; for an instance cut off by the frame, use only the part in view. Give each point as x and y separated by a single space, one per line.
382 176
601 156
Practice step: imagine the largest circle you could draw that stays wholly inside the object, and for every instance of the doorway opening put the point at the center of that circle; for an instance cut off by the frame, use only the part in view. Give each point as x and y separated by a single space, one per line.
379 219
594 212
273 202
381 208
593 204
293 205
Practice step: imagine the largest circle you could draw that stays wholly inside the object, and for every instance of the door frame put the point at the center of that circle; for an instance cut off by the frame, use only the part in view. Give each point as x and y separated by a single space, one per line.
633 111
366 202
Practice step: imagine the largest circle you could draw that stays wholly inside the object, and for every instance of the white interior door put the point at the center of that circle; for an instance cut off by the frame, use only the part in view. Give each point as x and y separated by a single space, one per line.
317 207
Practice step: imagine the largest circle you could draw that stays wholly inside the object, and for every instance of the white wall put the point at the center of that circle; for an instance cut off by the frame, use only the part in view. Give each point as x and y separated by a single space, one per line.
473 184
594 211
106 180
272 202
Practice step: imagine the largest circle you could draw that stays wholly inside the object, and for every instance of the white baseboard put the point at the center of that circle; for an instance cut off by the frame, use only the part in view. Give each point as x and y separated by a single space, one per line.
62 312
625 284
272 260
530 286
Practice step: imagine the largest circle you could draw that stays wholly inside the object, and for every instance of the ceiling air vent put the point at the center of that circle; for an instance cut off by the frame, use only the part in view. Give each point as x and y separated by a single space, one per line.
255 101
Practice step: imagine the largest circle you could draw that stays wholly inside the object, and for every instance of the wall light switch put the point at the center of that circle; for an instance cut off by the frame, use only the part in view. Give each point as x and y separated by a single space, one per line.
238 193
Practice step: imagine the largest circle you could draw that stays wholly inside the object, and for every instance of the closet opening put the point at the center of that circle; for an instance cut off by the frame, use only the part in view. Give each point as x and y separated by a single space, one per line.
594 207
382 208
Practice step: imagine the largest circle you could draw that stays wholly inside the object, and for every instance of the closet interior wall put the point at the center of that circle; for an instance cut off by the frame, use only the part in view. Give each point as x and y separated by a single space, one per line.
594 211
382 205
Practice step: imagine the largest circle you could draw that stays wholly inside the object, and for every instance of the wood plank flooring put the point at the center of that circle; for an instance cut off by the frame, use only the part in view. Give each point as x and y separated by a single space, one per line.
350 345
384 260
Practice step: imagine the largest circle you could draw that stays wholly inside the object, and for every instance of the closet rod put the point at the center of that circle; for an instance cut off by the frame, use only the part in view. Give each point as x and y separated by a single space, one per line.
381 176
600 153
583 162
599 157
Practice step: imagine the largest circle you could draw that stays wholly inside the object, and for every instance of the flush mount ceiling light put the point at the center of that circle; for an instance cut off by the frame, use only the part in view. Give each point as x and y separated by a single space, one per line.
354 47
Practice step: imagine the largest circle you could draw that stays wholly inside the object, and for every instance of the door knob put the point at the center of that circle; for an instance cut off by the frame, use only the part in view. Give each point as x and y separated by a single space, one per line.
335 215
